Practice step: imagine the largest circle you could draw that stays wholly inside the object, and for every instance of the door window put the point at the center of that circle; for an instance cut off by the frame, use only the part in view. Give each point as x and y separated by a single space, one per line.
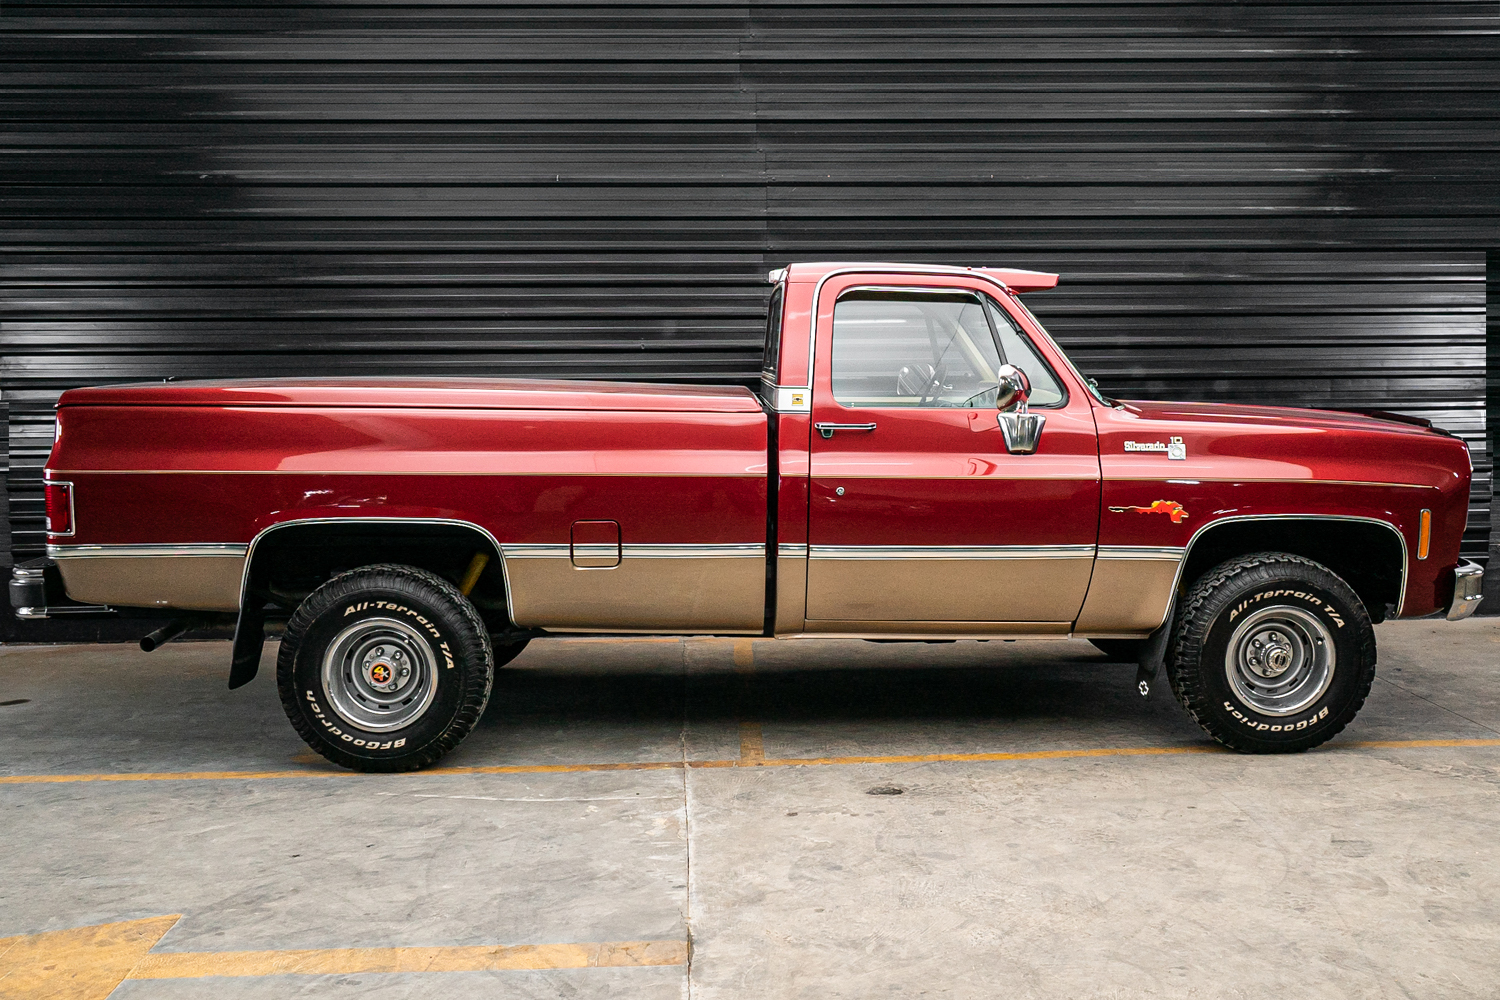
913 349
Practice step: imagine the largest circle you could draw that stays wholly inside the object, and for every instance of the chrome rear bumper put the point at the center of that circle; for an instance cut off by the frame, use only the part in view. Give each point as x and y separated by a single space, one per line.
1468 589
36 591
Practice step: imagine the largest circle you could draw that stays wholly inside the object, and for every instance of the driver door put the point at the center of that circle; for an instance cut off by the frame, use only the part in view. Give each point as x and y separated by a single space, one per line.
918 515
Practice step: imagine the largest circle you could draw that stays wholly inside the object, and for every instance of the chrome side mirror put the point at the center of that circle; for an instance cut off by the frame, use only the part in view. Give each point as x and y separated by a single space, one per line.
1021 428
1014 388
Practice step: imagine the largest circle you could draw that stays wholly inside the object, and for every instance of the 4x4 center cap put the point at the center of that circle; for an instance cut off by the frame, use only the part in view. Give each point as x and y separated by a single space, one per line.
385 668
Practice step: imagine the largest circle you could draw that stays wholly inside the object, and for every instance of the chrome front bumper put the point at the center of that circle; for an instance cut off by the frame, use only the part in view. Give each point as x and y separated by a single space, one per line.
1468 589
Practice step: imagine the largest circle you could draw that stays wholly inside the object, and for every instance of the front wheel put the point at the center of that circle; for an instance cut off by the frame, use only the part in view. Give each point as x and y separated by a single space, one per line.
1273 653
385 668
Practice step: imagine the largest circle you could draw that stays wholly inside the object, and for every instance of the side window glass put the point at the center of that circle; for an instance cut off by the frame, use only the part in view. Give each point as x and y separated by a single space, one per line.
772 353
915 349
1045 389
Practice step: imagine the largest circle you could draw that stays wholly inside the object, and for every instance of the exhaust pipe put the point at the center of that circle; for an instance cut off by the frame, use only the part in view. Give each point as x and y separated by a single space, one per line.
166 633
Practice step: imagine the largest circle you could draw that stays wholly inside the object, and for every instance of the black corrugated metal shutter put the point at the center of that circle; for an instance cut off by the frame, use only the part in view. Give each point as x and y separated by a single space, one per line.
1276 202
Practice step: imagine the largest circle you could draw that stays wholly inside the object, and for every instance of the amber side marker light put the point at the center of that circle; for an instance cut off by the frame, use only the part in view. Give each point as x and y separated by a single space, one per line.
1424 534
59 508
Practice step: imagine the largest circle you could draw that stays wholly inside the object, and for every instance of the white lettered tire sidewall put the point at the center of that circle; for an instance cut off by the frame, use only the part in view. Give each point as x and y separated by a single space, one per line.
1286 588
430 607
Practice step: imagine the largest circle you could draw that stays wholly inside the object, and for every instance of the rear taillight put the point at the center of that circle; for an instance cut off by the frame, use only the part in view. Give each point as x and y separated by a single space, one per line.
59 508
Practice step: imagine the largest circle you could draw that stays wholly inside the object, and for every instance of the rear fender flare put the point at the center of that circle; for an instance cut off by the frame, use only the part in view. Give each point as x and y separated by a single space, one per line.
249 632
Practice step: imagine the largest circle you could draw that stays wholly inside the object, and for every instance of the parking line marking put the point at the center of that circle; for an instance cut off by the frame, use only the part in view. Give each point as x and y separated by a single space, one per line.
752 744
471 958
672 765
88 963
1417 744
77 963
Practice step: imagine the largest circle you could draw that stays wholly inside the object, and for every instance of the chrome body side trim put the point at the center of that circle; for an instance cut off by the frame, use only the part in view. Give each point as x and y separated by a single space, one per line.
527 550
791 550
530 550
965 552
207 550
1168 552
735 550
1468 590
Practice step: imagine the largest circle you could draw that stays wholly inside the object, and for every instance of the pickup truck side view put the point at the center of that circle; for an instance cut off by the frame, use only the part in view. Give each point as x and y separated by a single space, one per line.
921 462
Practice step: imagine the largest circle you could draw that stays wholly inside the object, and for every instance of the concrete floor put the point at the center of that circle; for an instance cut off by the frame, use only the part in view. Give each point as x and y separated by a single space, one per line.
1351 871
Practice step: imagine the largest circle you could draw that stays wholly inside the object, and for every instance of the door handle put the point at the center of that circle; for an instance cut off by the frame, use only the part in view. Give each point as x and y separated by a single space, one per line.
827 429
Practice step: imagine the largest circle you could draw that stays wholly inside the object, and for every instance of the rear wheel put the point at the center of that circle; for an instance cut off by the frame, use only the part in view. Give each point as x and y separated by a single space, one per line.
1272 653
385 668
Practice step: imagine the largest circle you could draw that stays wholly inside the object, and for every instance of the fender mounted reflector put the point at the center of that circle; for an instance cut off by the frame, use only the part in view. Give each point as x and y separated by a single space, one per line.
1424 534
59 508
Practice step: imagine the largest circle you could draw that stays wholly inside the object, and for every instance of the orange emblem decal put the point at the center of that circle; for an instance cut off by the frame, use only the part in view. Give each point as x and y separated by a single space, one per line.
1171 508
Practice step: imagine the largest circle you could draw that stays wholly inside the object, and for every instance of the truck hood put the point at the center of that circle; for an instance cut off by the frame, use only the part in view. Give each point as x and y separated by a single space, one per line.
1221 441
424 393
1270 417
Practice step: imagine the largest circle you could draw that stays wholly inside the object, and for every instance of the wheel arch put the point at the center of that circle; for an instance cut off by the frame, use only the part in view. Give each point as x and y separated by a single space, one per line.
288 555
1369 553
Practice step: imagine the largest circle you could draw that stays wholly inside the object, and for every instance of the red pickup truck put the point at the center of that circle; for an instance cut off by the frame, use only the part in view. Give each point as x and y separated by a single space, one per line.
921 462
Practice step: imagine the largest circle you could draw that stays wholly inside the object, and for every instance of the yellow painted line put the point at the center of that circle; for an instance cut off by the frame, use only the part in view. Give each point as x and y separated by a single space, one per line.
665 765
50 779
88 963
46 779
752 744
80 963
932 758
1417 744
347 961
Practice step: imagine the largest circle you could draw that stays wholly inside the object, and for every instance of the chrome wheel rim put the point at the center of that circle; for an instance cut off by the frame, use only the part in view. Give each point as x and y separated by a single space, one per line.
1280 660
379 674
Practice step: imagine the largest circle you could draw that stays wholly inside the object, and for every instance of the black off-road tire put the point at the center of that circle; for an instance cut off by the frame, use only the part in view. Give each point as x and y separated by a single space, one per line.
386 618
1295 604
1120 650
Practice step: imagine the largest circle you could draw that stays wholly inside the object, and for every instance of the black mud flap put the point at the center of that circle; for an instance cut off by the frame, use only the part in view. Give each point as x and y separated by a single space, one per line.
249 642
1154 653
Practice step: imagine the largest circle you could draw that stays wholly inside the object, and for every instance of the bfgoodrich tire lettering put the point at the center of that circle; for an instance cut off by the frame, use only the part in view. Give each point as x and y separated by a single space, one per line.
1272 653
385 668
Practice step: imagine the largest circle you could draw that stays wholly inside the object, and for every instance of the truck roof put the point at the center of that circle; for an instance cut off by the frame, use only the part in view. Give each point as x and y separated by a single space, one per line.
454 393
1016 279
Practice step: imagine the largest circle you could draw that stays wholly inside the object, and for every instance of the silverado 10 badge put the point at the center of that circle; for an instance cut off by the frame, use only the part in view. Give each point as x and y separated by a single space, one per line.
1174 448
